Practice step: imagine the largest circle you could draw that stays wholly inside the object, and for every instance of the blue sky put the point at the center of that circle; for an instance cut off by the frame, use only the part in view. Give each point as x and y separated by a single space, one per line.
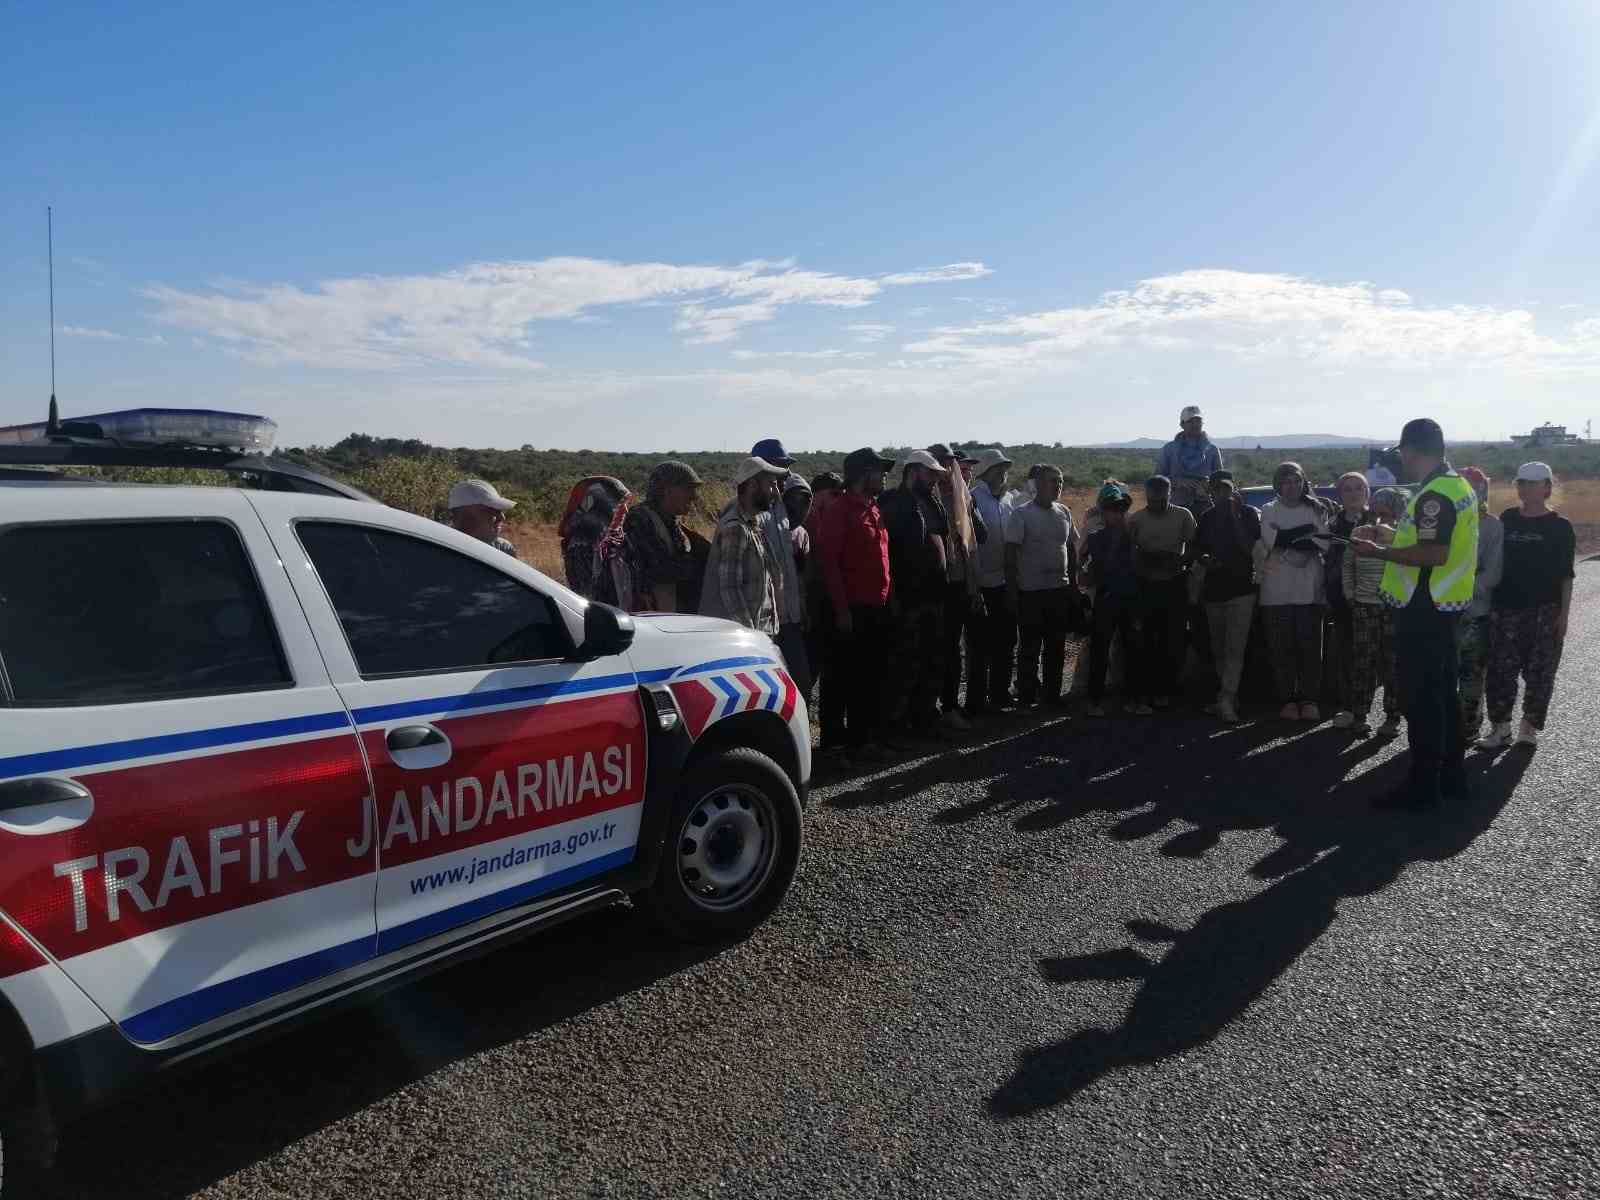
657 227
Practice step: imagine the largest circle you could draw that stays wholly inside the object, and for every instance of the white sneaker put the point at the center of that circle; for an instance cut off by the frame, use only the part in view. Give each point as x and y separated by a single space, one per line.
1289 712
1499 737
1527 735
954 720
1343 720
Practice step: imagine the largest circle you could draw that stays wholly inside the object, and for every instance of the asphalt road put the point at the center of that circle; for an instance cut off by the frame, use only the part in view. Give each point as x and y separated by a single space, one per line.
1117 959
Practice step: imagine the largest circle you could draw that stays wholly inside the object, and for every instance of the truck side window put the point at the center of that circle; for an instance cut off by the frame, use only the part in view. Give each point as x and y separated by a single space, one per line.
411 607
128 611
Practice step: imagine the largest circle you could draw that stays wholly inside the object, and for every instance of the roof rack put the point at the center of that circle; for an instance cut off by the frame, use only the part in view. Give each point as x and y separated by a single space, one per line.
184 438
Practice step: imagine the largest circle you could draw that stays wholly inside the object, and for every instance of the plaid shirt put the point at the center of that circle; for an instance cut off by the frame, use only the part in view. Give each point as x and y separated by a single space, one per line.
740 583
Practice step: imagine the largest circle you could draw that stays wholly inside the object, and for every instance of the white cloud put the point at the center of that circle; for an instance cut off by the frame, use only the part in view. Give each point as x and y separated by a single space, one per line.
815 354
482 314
1271 316
951 273
869 331
107 335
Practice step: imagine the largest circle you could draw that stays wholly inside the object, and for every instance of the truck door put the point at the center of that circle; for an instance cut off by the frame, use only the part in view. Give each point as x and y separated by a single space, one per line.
504 769
182 793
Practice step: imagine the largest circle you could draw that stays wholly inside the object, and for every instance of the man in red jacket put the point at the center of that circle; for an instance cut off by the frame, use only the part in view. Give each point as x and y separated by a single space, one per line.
853 550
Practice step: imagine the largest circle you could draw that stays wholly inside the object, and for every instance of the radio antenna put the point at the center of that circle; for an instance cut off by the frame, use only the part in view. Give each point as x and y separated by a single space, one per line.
54 422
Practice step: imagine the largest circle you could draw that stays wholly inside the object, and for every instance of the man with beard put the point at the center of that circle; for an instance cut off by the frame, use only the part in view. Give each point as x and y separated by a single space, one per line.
919 550
742 582
852 552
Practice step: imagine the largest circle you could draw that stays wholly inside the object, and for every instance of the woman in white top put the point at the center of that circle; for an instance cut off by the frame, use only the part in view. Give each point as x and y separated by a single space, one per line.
1292 591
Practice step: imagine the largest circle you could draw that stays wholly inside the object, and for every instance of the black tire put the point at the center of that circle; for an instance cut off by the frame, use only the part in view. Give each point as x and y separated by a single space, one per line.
733 843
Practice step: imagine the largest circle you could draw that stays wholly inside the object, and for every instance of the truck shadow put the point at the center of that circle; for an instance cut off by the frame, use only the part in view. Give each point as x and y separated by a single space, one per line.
1212 973
197 1127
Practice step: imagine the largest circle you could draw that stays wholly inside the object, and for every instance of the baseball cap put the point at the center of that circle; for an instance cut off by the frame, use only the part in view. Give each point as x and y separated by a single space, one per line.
1189 413
771 450
1222 476
921 458
857 462
1423 434
753 466
1112 493
1478 480
940 451
827 481
962 457
478 491
1535 472
988 459
794 480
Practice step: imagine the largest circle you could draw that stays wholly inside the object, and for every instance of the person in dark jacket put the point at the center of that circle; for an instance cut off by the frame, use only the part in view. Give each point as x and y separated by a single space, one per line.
1225 537
919 533
666 571
1110 563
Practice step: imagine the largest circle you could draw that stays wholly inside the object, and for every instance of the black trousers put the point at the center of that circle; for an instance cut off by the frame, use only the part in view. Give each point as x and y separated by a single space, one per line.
830 670
1427 670
858 662
959 626
992 652
1043 617
1114 615
1165 612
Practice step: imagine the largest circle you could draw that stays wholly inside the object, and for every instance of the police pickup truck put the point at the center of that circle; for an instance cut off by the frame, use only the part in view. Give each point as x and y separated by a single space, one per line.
266 749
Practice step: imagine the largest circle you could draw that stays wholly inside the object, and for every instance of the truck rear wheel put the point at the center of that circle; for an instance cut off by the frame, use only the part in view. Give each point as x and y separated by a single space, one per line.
734 843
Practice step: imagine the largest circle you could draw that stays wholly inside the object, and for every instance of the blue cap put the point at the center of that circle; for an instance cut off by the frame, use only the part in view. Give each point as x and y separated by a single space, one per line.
772 450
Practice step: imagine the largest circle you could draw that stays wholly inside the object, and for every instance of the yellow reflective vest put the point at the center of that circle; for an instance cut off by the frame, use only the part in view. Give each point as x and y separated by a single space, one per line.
1449 585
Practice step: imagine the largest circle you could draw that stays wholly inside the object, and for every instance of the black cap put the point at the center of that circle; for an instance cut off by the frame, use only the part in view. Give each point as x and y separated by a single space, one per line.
940 451
1423 434
1223 476
827 481
859 462
963 457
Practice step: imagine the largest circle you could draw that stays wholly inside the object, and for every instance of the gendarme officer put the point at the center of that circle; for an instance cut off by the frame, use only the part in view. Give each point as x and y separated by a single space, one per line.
1427 585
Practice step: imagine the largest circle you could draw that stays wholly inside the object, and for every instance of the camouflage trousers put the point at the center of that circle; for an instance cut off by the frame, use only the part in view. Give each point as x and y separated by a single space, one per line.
1472 650
1371 660
1522 641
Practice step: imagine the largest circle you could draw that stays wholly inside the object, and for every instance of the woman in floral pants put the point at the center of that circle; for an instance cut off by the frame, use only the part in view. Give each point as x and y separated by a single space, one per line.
1529 620
1370 661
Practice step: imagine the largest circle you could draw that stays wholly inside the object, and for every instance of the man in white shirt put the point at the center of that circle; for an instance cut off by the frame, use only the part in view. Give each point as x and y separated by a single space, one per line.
995 647
1042 585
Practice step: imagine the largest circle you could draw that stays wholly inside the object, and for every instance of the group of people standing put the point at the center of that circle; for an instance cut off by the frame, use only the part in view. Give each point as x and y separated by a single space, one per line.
892 599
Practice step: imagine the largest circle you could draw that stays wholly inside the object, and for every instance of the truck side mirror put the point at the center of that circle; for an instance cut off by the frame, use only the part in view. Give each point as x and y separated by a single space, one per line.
606 631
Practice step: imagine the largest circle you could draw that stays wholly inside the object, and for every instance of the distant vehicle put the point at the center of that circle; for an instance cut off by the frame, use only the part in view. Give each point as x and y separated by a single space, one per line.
1547 435
269 748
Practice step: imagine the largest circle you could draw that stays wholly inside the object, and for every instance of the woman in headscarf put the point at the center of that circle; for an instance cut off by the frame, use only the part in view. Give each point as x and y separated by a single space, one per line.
592 541
1293 592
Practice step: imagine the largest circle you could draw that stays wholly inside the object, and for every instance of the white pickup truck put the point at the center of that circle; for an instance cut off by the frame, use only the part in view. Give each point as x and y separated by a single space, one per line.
264 751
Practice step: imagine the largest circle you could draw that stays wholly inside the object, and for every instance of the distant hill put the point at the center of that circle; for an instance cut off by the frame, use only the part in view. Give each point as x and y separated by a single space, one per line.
1281 441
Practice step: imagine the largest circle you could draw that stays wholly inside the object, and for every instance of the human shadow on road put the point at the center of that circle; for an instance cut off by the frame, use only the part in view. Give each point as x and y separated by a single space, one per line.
189 1132
1213 972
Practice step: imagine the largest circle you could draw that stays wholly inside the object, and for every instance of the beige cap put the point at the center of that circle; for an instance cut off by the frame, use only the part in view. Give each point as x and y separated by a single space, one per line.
921 458
751 467
477 491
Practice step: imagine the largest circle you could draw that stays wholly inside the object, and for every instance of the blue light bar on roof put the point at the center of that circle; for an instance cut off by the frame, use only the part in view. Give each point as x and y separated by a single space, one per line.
201 427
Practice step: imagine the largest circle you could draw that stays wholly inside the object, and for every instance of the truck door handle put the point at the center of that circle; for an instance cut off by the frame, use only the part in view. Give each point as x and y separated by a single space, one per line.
418 747
31 793
414 737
